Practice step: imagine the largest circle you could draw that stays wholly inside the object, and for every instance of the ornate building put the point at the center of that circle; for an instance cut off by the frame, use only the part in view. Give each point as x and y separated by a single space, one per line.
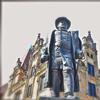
87 70
28 81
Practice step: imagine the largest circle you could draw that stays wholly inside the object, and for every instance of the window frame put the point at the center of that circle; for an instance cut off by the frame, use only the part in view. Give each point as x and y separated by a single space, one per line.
17 95
33 71
91 89
29 91
91 70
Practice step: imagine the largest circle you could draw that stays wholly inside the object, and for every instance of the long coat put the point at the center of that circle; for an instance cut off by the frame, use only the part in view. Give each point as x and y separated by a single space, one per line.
76 47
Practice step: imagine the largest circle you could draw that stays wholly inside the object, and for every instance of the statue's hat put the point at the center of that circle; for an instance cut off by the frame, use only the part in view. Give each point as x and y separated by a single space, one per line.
59 19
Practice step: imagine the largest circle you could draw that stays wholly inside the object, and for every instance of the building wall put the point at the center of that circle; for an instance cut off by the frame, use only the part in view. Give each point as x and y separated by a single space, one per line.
11 91
84 72
98 85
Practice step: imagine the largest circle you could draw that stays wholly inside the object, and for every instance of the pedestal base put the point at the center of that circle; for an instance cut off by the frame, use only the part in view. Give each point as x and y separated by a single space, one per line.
57 98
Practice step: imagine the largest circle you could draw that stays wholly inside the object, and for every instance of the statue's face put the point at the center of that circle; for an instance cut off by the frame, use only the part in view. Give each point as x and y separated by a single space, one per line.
62 25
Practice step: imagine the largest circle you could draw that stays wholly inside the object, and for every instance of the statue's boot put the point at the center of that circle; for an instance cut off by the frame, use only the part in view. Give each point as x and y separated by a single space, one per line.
71 97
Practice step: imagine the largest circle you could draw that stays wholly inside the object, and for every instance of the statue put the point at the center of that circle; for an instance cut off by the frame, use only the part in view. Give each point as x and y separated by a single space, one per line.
19 62
64 49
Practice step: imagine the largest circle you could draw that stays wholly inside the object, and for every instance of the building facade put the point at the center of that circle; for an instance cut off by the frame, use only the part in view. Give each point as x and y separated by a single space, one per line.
28 80
98 85
87 70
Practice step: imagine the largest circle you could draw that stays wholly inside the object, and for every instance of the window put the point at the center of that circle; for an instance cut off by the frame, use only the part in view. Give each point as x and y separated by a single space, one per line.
90 69
43 82
87 54
29 92
33 71
17 95
91 89
91 56
25 66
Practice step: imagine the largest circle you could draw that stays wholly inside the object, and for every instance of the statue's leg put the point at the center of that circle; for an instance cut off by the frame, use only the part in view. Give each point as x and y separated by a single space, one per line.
68 82
61 81
56 82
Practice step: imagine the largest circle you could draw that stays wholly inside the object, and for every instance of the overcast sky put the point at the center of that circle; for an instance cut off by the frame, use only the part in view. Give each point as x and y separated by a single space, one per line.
21 21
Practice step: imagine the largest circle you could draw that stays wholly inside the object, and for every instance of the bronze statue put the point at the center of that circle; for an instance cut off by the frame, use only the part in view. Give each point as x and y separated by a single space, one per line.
64 49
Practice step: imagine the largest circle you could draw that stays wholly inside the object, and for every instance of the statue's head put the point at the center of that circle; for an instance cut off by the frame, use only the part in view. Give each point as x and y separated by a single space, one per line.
62 23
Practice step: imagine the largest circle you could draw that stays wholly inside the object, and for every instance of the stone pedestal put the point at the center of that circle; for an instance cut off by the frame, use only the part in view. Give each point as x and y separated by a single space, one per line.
47 94
57 98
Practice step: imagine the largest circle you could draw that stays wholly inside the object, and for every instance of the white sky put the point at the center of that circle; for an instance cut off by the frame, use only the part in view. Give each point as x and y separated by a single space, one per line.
21 21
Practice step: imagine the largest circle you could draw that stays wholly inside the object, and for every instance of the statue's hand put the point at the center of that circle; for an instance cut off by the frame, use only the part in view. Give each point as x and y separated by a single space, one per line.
65 64
58 43
44 54
80 54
